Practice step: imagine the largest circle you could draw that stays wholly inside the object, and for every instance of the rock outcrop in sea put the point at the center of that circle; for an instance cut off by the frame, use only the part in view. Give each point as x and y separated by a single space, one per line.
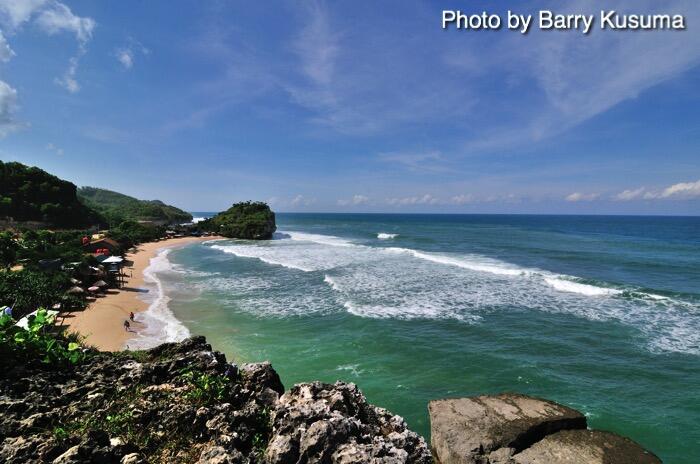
247 220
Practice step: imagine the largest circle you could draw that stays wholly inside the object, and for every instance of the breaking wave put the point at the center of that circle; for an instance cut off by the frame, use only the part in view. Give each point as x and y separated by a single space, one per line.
403 283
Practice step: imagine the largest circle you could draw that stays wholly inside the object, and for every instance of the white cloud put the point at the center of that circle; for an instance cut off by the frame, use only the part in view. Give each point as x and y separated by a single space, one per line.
317 45
578 196
125 57
68 81
352 86
301 200
628 195
53 148
16 12
6 53
354 201
127 54
426 199
680 191
8 107
582 77
430 161
463 199
57 17
51 17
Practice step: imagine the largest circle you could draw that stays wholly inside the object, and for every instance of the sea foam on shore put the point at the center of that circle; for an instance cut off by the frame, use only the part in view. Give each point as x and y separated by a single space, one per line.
159 325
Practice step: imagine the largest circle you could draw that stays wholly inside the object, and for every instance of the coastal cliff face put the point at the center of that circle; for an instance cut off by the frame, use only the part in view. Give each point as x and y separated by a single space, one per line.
183 403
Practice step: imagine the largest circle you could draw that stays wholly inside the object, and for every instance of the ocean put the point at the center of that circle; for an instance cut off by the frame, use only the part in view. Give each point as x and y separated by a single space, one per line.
601 313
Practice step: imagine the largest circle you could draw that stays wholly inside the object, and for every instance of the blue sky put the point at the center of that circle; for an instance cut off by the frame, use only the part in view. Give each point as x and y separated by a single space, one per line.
354 106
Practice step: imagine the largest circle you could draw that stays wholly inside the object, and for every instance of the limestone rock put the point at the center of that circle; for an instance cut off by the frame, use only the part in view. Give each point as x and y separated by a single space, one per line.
468 430
319 422
585 447
183 403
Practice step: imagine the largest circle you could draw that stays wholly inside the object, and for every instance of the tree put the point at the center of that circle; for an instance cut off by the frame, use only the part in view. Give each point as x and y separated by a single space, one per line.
28 290
8 249
31 194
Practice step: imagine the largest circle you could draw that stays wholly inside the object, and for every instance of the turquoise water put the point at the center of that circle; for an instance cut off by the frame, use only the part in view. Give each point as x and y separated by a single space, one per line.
600 313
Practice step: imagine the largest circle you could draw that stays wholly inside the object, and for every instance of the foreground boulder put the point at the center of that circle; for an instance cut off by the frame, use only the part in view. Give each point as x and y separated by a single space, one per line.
183 403
585 447
318 422
518 429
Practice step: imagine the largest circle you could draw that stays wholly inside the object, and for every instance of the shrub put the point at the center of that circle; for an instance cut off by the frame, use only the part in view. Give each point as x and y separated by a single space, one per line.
205 388
28 290
38 341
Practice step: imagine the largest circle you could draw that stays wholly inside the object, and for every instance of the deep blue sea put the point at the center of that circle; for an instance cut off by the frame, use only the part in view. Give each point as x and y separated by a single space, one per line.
601 313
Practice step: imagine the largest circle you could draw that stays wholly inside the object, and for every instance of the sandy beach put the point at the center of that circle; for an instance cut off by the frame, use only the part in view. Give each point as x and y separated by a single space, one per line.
101 323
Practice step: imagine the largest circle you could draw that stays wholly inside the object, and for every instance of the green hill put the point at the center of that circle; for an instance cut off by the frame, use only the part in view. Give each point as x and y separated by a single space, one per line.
117 207
32 194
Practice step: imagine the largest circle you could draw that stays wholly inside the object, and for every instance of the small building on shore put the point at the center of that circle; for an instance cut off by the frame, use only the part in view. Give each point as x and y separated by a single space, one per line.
102 244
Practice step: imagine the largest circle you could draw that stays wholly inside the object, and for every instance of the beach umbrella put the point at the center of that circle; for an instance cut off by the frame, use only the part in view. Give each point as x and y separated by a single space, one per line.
75 290
93 289
75 281
101 283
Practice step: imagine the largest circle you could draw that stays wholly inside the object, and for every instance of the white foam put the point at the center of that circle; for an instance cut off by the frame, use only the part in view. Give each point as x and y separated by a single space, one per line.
334 285
481 264
195 220
564 284
385 236
354 369
159 323
404 283
244 251
321 239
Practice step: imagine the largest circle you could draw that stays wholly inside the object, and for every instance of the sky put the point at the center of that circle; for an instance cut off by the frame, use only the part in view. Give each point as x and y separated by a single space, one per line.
354 106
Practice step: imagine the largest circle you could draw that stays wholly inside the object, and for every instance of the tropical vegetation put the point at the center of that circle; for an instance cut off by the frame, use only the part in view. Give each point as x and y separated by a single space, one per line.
38 342
117 207
32 194
247 220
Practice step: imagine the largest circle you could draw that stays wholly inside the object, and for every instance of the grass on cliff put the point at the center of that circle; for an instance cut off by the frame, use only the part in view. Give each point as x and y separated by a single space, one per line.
136 415
159 419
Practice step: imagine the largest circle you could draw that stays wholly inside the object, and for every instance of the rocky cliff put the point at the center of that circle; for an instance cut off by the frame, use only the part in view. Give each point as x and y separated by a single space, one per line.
183 403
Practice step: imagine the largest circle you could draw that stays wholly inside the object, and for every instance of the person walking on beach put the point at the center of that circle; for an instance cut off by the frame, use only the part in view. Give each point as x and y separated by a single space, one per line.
131 316
126 325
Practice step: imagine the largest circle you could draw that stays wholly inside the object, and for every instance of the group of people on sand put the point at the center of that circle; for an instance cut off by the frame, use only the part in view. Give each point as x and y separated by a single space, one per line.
127 324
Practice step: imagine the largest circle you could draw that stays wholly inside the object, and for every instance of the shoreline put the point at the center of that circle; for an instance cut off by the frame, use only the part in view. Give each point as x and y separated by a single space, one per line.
101 322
